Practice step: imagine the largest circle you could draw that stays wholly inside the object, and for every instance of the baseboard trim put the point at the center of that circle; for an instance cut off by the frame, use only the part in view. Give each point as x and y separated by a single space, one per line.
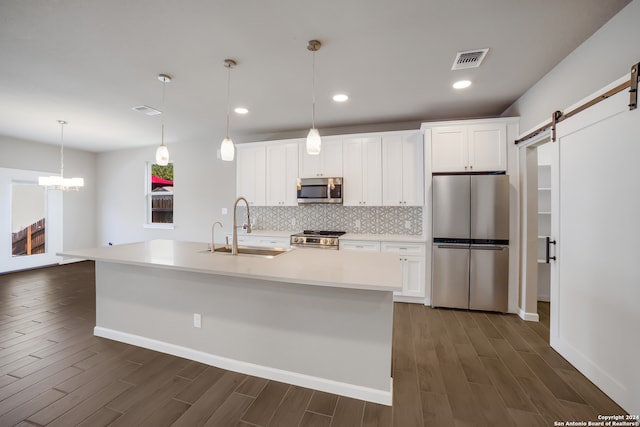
544 298
413 300
529 317
330 386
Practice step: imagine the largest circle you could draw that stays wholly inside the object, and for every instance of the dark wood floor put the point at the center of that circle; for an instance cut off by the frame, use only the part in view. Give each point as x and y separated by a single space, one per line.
451 368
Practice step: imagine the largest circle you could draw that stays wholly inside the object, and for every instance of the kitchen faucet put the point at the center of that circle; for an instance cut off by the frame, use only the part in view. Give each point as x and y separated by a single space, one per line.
213 240
234 245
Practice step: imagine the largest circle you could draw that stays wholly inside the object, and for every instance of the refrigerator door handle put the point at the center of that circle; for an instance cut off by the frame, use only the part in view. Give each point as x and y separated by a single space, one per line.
489 248
453 246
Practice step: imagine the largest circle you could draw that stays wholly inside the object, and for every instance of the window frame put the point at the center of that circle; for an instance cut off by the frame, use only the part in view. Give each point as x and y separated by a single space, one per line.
149 195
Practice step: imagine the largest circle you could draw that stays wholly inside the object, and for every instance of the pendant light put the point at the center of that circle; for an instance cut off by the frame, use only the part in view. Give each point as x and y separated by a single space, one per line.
227 150
314 144
162 153
60 182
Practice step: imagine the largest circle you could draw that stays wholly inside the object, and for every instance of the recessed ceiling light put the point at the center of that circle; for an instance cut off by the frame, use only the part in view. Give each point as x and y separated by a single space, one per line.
461 84
340 97
241 110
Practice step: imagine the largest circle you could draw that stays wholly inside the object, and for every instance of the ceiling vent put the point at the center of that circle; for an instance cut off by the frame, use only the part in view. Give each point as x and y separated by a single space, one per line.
469 59
149 111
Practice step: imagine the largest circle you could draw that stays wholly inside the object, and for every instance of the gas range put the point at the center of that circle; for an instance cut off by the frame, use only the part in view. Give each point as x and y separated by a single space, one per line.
316 239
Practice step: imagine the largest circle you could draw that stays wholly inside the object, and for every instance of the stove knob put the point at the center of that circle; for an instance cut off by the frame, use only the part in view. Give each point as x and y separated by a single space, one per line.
323 241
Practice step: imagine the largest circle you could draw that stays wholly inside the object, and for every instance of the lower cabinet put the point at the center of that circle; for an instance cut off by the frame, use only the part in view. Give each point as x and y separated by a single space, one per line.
261 240
412 261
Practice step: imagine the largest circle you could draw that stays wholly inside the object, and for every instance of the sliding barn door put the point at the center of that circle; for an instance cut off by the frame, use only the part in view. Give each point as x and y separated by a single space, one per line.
595 281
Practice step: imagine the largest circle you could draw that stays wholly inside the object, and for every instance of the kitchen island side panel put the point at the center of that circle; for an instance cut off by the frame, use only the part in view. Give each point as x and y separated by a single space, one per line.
337 334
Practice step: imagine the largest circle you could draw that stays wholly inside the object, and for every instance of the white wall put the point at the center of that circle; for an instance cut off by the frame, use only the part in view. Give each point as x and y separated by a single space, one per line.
601 59
79 225
203 186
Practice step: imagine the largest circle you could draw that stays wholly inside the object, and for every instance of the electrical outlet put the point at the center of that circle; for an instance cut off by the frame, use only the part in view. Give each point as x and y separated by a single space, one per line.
197 320
218 154
293 223
357 224
225 211
407 225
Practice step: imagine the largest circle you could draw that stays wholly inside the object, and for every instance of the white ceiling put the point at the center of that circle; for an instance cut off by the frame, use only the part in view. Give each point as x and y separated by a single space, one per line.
90 61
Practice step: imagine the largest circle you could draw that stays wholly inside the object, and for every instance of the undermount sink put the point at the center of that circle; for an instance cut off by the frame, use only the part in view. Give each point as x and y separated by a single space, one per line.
251 250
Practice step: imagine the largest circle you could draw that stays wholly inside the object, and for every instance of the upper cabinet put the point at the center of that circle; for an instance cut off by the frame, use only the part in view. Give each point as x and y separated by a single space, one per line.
326 164
250 173
403 169
362 171
282 174
469 148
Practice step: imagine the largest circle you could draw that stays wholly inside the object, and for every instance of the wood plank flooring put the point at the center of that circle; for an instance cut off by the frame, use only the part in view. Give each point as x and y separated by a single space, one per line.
450 368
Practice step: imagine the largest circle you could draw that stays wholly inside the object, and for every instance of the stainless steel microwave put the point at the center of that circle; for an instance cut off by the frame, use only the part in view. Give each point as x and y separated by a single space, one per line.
319 190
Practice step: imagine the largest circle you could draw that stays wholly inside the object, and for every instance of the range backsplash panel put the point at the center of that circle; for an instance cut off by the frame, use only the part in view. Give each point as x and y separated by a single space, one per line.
352 219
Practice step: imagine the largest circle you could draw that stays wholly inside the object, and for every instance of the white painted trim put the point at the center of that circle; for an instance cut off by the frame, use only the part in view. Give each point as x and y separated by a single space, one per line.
413 300
529 317
66 260
302 380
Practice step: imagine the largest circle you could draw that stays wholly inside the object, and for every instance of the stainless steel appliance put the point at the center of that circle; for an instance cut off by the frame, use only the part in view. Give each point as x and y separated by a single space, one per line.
319 190
316 239
470 242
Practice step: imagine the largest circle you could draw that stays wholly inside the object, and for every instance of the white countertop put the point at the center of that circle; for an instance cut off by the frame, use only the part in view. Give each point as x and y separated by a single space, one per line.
318 267
409 238
386 237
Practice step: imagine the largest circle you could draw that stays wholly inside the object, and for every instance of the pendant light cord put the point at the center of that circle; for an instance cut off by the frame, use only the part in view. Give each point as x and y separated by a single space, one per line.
228 65
313 91
164 84
62 123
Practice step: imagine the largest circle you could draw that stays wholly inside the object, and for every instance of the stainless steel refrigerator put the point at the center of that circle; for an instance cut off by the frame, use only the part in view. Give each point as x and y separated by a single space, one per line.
471 242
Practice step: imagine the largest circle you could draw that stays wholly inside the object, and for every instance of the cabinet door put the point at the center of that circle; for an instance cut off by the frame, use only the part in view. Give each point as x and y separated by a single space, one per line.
413 170
291 178
392 170
403 170
276 175
250 174
449 149
413 276
488 147
281 174
372 171
310 165
353 167
331 157
326 164
362 171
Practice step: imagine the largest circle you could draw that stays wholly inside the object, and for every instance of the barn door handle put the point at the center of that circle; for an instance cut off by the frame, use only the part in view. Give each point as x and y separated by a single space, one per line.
549 243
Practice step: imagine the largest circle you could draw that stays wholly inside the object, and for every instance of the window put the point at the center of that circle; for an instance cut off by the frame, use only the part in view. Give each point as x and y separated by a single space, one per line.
160 194
27 219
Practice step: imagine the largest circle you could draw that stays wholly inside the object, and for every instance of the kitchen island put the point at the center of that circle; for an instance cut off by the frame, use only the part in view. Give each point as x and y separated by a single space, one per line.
315 318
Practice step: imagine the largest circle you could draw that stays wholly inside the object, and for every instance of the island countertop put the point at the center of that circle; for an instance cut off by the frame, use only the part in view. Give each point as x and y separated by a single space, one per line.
316 267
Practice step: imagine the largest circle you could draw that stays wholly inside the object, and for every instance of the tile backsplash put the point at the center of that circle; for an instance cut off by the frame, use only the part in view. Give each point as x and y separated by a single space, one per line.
352 219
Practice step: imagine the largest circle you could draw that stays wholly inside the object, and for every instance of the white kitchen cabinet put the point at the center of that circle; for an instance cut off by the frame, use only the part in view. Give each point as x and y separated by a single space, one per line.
469 148
403 169
326 164
250 174
413 263
250 239
362 171
282 174
360 245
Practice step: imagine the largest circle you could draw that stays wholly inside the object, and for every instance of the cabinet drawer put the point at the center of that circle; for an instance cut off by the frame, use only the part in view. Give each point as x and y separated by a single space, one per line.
404 248
360 245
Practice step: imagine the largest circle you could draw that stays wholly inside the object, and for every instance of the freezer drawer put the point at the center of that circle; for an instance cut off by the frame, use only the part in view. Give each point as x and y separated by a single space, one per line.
489 278
450 287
